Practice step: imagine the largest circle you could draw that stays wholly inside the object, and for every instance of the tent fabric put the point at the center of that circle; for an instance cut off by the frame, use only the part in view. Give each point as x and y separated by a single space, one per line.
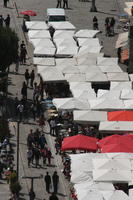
75 77
122 40
86 33
126 94
105 61
80 85
44 61
84 94
65 61
116 126
88 41
68 50
64 34
36 25
96 77
42 42
80 142
68 69
65 25
121 76
88 68
38 34
87 58
89 49
121 147
120 85
106 104
128 104
120 116
109 68
41 51
63 42
109 94
82 116
116 194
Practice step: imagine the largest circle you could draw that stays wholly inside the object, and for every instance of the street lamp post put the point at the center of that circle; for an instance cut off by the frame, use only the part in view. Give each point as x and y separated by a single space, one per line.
93 7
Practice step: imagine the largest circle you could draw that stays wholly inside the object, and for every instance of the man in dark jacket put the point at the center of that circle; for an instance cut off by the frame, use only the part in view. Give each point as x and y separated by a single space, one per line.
55 179
47 180
7 21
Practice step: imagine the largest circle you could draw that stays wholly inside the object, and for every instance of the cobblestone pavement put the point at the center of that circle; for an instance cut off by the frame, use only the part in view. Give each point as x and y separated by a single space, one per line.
78 13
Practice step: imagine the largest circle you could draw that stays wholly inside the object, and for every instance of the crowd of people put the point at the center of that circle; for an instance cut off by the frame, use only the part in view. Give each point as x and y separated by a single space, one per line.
5 21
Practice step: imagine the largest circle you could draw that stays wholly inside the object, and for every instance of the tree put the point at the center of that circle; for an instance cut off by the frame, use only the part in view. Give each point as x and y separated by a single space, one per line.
93 7
9 48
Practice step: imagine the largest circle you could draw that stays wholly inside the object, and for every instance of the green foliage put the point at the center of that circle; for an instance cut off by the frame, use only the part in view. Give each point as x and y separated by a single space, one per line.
15 187
8 47
4 128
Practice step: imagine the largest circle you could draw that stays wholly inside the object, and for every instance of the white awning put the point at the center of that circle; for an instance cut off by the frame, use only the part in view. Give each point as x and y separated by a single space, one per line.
120 85
96 77
109 68
65 25
89 49
121 76
75 77
69 50
104 61
128 104
88 68
42 42
88 41
43 61
68 69
64 34
80 86
65 42
65 61
87 58
39 34
109 94
86 33
126 94
36 25
84 94
41 51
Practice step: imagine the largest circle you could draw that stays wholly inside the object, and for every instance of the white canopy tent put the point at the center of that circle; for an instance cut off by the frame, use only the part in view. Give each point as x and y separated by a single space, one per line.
65 42
116 126
106 104
41 51
84 94
70 104
96 77
80 86
128 104
113 195
68 50
88 68
42 42
83 194
126 94
110 68
87 58
65 61
109 94
88 41
64 34
43 61
68 69
36 25
75 77
105 61
119 76
89 49
122 40
131 77
65 25
39 34
82 116
120 85
86 33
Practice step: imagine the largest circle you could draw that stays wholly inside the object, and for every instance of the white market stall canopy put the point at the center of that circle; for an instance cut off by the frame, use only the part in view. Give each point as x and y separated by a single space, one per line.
96 77
75 77
106 104
36 25
121 76
110 68
44 42
122 40
116 126
65 61
84 94
65 42
126 94
43 61
89 49
65 25
70 104
87 58
86 33
68 69
80 86
41 51
81 116
109 94
128 104
66 51
104 61
88 68
63 34
120 85
88 41
39 34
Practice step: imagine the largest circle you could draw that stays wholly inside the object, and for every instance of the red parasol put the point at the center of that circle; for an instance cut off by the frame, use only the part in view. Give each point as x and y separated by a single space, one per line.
28 12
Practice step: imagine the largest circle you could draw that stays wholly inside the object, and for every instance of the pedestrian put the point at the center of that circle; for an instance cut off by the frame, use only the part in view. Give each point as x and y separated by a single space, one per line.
42 122
32 77
5 3
58 3
22 45
7 21
47 180
95 23
34 110
24 91
51 31
23 54
53 197
20 109
42 141
37 156
32 194
52 126
112 24
1 20
49 156
55 179
65 4
29 156
30 139
27 76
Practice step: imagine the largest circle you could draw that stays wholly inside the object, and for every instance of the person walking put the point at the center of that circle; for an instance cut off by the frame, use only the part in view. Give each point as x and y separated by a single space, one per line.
95 23
24 91
112 24
7 21
58 3
65 4
20 109
29 156
47 180
1 20
32 77
55 179
52 126
27 76
32 194
53 197
23 54
49 156
5 3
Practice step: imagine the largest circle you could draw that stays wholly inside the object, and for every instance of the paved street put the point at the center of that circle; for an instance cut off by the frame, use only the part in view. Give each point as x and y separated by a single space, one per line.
80 16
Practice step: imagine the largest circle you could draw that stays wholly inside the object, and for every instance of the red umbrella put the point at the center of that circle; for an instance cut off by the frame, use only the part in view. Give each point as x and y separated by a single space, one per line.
109 140
79 142
120 116
28 12
120 147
